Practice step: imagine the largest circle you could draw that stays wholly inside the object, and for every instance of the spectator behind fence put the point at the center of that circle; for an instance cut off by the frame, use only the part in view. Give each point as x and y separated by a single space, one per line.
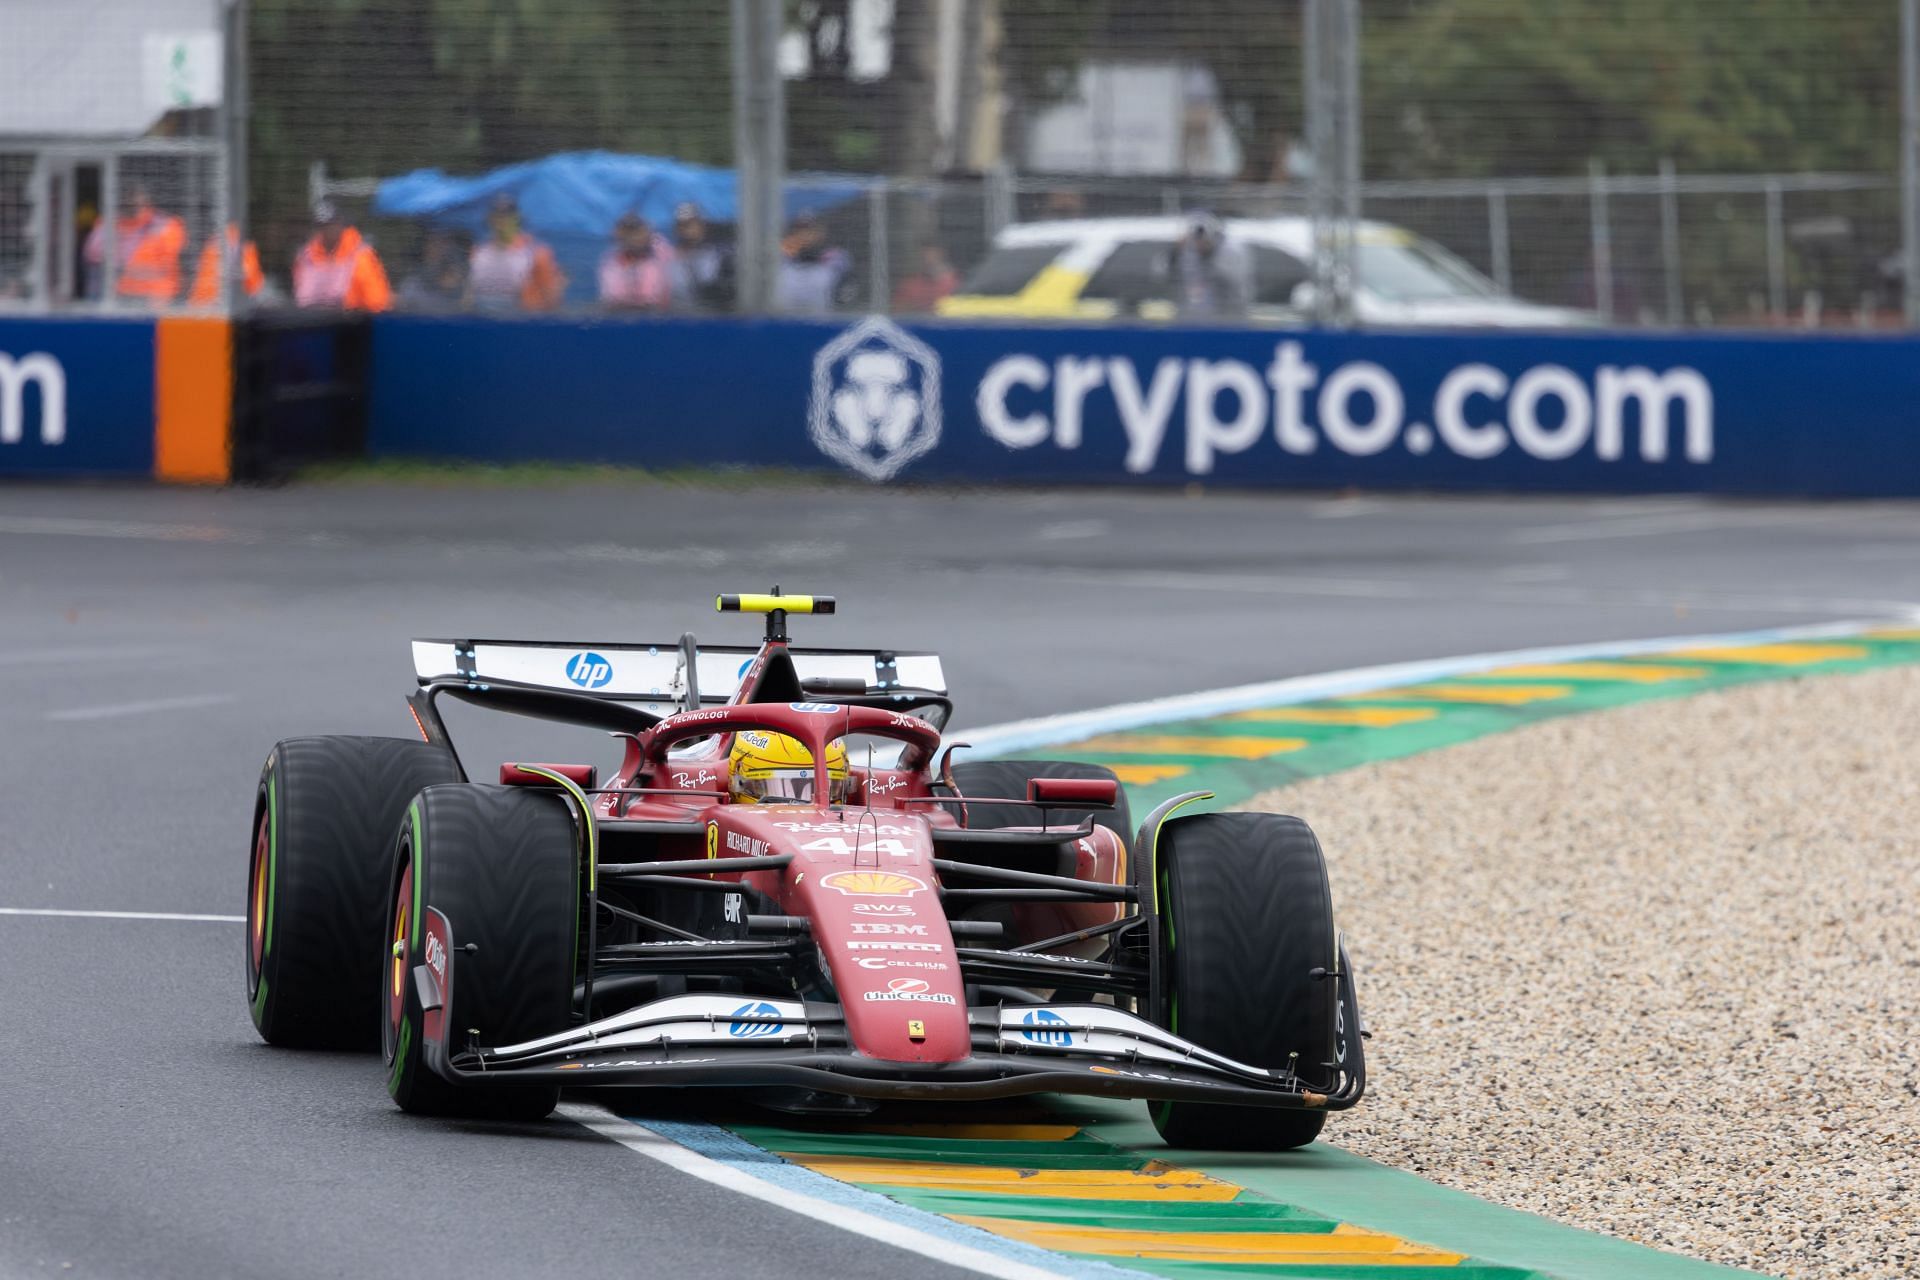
811 271
510 270
337 268
703 266
439 283
636 274
1212 276
147 248
210 279
935 280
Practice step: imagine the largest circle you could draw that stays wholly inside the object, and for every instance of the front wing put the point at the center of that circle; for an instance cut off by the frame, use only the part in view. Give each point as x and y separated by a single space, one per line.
731 1041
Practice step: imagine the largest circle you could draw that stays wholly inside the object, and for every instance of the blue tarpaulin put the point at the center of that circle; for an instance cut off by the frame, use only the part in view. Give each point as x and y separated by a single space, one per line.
572 200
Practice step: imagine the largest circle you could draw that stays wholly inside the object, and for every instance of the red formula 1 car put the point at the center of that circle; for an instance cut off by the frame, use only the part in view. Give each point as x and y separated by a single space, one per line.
789 887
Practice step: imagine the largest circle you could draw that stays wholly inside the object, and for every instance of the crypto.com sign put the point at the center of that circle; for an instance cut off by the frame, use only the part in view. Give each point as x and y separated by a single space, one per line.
15 374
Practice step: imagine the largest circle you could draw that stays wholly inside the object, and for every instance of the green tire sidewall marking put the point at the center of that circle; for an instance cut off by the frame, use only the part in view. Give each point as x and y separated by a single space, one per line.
419 876
401 1046
273 877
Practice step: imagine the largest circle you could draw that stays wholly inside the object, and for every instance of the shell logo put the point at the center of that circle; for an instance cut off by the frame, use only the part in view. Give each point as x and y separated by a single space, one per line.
874 884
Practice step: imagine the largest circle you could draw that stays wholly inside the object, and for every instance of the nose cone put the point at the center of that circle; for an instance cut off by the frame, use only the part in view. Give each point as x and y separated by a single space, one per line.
866 883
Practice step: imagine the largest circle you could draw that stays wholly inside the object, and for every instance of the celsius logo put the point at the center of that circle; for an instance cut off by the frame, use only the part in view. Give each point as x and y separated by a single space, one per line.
589 670
876 398
43 371
1044 1026
753 1030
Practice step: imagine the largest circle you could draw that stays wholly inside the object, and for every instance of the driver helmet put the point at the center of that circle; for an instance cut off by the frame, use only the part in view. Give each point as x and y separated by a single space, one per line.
772 768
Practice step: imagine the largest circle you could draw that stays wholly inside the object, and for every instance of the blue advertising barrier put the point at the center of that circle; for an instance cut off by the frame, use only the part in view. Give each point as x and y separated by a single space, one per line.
76 396
1522 412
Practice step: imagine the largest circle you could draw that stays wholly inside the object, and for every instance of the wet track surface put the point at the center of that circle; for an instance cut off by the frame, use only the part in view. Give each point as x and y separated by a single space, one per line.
154 644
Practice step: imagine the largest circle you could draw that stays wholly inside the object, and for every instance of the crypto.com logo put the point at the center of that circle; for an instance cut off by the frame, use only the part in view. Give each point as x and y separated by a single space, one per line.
876 398
15 374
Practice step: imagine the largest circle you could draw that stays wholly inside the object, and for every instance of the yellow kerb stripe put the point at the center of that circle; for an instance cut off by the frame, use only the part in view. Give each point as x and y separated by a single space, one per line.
1151 744
1631 673
977 1132
1141 775
1509 695
1774 655
1366 717
1344 1246
1154 1182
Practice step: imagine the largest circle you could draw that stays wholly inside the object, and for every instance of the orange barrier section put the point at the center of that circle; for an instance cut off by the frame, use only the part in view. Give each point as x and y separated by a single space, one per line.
193 400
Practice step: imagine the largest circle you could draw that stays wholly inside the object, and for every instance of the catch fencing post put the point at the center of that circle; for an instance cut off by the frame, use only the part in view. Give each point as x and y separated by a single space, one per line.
1331 71
1602 234
1670 242
233 265
878 293
1776 253
1910 158
759 147
1497 235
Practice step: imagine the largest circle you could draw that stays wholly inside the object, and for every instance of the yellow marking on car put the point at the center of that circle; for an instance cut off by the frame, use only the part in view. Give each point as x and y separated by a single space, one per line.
1157 744
1142 775
1154 1181
1631 672
1496 695
1774 655
1364 717
1345 1245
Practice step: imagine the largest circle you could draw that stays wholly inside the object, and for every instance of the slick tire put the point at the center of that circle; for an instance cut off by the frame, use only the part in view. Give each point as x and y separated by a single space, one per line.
1246 917
502 865
323 822
1007 780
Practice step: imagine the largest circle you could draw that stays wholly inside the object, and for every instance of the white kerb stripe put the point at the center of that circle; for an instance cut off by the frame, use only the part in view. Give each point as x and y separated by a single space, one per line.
646 1142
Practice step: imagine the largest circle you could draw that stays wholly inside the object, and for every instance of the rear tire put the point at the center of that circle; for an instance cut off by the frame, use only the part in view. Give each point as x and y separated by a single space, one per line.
323 823
1246 914
1007 780
502 864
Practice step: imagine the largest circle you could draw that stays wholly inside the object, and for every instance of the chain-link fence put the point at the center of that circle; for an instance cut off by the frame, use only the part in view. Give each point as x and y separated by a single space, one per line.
1632 162
114 176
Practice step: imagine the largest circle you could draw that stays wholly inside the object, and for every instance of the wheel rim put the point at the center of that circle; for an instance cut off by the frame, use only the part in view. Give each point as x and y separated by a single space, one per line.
257 895
397 963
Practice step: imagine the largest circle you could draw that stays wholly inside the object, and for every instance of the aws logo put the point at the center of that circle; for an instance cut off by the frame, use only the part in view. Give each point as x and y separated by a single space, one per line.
589 670
43 372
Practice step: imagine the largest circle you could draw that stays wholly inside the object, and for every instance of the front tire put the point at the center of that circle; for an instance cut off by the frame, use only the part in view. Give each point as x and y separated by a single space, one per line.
1246 917
323 823
501 864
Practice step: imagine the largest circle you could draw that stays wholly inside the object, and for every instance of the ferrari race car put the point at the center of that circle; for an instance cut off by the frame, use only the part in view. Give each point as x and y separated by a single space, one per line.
790 887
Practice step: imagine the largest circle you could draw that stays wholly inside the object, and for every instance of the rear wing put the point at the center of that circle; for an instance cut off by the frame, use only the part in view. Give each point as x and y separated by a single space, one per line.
653 677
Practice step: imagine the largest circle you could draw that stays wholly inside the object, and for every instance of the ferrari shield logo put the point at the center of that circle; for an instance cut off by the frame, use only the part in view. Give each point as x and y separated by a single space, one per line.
876 398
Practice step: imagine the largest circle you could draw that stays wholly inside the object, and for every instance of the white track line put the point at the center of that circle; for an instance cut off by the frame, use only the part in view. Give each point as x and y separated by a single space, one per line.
74 715
120 915
834 1213
77 653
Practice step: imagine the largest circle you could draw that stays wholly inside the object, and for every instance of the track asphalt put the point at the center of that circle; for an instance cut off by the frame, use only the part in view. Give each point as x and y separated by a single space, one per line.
154 644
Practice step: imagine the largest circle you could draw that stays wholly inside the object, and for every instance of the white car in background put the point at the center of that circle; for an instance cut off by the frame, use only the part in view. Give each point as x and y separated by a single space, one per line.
1110 268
